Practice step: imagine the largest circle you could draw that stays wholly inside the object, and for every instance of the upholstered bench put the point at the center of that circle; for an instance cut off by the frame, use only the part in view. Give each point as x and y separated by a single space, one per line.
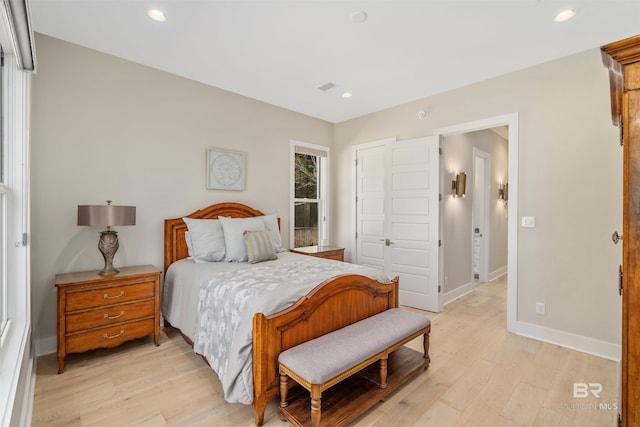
325 361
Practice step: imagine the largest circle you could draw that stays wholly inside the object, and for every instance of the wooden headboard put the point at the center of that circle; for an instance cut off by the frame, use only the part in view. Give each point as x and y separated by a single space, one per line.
175 246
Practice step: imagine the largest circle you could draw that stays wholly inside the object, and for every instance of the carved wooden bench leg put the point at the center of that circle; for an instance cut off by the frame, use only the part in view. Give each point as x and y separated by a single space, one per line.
383 371
427 359
284 379
316 393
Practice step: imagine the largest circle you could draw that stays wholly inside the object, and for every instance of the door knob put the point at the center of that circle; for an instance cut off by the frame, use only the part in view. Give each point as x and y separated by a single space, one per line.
616 237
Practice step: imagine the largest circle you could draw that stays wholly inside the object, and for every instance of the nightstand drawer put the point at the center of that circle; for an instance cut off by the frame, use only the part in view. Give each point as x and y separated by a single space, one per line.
107 296
109 337
109 315
338 256
327 252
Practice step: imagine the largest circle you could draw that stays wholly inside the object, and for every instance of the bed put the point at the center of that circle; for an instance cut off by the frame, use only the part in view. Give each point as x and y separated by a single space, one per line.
331 302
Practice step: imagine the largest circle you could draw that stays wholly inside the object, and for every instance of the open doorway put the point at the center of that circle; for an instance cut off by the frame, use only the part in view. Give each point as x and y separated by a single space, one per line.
474 226
508 124
364 228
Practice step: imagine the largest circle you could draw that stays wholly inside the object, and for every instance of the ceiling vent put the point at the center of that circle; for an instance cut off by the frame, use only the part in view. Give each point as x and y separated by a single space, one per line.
327 86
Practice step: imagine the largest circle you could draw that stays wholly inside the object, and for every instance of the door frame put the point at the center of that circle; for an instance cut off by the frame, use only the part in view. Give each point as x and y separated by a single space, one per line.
511 120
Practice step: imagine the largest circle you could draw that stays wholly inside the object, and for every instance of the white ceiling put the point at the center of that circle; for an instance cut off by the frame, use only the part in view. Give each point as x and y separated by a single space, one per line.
281 51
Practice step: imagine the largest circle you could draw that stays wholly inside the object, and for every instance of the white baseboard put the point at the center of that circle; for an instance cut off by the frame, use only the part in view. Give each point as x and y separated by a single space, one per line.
497 273
463 290
581 343
458 292
46 345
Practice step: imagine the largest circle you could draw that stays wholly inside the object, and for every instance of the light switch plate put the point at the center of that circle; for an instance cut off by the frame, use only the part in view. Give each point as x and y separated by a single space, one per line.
529 221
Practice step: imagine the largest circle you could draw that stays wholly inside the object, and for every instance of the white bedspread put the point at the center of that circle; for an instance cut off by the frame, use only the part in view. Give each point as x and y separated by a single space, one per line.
216 311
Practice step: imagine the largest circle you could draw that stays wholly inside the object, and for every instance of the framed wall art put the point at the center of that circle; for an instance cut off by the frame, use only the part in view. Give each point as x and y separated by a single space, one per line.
225 169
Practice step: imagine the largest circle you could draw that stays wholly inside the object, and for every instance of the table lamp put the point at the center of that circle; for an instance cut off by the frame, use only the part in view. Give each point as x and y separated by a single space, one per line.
107 216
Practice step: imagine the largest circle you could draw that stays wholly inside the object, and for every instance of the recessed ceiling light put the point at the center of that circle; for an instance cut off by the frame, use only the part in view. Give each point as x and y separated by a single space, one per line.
347 95
359 17
156 15
565 15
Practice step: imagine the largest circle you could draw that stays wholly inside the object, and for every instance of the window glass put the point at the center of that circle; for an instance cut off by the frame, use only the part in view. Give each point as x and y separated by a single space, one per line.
3 280
310 166
2 142
306 203
3 288
306 176
306 228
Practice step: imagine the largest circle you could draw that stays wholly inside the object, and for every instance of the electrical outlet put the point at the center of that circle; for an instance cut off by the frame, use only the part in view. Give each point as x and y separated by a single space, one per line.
540 308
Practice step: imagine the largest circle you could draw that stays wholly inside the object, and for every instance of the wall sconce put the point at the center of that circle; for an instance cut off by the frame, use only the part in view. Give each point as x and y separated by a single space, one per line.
459 185
503 193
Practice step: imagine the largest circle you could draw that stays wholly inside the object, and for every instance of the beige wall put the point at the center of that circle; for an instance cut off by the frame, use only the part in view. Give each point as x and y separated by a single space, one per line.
570 178
105 128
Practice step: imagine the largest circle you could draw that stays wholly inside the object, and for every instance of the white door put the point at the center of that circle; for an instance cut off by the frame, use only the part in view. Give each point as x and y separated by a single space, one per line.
370 206
480 215
398 227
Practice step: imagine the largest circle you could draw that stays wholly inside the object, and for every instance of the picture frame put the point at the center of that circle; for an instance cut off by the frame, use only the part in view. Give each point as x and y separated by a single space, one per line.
225 169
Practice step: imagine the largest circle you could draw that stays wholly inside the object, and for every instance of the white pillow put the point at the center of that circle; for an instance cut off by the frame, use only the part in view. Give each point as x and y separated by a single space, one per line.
187 239
207 239
271 222
233 228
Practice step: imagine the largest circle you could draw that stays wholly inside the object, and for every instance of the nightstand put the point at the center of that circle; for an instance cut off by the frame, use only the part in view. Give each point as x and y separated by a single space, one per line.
105 311
328 252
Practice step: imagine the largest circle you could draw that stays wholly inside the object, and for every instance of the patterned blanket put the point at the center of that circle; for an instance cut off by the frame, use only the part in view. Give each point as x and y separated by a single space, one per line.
228 301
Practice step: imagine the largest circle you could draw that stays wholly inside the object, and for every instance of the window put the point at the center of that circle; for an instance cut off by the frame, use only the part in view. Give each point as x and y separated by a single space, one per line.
310 194
16 360
3 259
3 196
14 255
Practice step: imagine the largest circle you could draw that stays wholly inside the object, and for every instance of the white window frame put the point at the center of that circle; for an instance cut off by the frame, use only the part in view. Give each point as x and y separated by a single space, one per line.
15 341
324 191
4 195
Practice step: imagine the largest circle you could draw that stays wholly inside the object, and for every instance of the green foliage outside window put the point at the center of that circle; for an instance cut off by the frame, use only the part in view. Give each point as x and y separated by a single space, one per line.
306 176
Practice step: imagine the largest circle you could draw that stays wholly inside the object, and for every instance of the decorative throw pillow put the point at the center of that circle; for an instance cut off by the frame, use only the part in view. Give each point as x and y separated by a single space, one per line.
207 239
259 246
235 251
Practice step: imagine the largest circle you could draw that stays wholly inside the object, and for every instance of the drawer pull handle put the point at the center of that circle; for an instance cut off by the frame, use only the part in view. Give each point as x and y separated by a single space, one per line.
107 337
106 316
106 296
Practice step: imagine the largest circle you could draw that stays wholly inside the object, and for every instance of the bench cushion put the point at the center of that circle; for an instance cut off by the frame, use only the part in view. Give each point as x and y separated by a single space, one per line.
328 356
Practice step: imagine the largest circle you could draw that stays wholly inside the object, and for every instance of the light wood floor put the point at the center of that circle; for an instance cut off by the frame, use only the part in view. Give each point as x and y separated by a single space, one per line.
480 375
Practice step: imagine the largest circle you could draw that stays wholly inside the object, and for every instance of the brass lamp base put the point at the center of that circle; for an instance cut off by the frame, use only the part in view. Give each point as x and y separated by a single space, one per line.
106 272
108 245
